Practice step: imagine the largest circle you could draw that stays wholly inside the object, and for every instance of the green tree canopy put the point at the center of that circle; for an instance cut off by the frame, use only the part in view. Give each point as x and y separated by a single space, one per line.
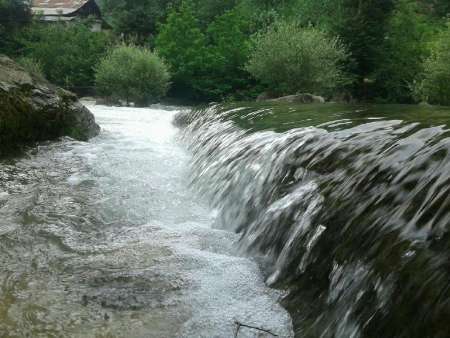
67 53
433 85
136 19
14 14
133 74
290 58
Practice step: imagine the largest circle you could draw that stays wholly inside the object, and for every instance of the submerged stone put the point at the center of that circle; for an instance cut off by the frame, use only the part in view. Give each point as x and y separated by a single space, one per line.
299 98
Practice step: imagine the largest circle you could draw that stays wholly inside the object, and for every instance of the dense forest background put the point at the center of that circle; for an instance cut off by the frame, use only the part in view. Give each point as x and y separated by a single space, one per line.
346 50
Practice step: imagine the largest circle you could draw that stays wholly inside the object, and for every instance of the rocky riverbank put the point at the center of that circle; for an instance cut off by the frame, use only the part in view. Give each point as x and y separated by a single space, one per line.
31 109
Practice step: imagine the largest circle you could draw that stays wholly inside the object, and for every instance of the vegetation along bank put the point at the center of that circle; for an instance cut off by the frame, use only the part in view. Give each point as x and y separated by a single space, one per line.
394 51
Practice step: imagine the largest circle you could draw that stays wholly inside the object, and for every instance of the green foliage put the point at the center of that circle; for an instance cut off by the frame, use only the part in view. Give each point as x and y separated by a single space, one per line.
136 19
439 8
326 14
228 49
133 74
205 64
433 85
207 44
363 28
289 58
14 14
68 53
183 45
208 10
403 51
32 66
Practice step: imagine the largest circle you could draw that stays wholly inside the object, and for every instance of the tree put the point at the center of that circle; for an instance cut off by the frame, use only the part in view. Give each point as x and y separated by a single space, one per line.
136 19
14 14
183 45
229 48
403 51
67 53
433 85
133 74
289 58
363 28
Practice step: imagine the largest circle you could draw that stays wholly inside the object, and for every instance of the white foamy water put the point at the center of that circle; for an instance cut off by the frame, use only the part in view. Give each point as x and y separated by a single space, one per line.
106 239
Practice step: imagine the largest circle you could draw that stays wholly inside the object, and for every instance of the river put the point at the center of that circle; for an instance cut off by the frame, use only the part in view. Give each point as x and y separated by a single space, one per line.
109 239
346 206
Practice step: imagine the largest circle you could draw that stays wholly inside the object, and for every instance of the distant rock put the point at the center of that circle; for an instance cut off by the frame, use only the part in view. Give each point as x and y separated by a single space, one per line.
31 109
425 104
182 119
263 97
299 98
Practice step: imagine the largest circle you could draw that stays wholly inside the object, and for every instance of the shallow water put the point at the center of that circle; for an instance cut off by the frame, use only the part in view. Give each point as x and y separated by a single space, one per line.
106 239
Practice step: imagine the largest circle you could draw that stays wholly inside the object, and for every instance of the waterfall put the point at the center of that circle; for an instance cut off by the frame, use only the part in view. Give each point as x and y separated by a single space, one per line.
347 209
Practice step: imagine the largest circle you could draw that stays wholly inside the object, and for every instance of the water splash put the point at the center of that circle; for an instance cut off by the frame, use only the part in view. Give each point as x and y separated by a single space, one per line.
105 239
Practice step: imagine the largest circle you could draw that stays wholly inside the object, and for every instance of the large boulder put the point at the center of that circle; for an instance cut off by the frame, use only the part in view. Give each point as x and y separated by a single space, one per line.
31 109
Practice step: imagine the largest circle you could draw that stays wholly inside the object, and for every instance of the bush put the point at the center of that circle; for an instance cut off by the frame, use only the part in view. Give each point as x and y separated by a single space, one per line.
68 53
133 74
289 59
433 85
32 66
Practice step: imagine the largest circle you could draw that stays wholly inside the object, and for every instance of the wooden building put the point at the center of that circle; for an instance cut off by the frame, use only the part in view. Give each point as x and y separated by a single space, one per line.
67 10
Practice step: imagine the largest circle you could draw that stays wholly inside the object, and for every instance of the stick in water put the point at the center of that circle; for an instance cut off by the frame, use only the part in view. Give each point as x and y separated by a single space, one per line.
239 325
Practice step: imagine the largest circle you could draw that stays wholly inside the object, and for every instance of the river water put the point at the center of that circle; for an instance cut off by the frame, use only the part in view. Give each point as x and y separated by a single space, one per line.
108 239
347 207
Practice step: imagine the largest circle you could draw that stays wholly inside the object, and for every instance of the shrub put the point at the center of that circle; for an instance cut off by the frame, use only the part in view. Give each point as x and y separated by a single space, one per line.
32 66
68 53
289 59
433 85
133 74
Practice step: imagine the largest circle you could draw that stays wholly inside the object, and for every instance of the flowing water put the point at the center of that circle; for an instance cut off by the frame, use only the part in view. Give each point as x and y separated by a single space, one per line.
152 231
346 207
107 239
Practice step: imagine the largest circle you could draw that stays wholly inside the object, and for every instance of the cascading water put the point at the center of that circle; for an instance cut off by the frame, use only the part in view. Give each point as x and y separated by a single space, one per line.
105 239
348 209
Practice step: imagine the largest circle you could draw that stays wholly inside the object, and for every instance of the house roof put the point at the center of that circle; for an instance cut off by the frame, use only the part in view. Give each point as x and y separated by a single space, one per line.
56 7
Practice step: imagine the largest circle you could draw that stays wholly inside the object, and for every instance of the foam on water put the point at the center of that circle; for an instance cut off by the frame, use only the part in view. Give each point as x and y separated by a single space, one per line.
107 239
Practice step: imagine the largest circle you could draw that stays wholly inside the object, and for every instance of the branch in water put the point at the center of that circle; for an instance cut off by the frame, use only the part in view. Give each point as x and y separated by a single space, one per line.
239 325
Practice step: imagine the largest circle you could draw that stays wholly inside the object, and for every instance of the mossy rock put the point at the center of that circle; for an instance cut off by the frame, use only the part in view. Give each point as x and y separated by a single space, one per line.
31 109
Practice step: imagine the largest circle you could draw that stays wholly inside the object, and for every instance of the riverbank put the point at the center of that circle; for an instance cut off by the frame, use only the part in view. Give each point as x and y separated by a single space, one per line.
31 109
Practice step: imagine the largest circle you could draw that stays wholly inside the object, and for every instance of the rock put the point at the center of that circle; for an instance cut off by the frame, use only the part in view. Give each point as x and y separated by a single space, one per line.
425 104
182 119
107 101
31 109
89 99
264 96
299 98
